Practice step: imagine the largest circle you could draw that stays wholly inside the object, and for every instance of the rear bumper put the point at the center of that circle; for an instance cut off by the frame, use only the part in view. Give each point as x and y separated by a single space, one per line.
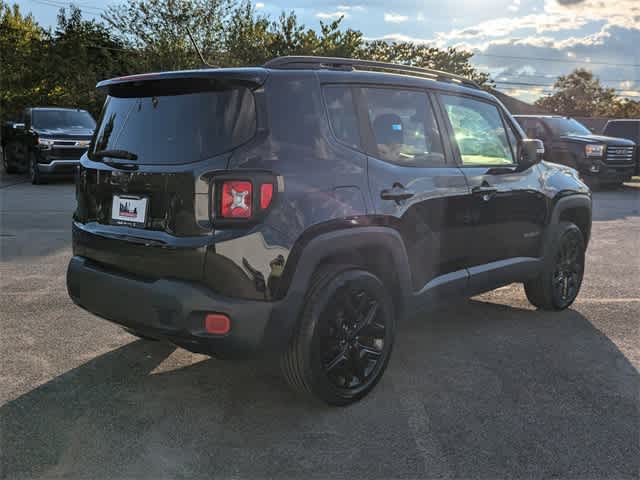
169 309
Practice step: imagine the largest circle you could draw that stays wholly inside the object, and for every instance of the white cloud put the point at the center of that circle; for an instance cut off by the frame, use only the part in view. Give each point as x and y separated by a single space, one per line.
620 13
557 17
332 15
401 37
513 8
504 26
395 18
259 5
420 17
351 8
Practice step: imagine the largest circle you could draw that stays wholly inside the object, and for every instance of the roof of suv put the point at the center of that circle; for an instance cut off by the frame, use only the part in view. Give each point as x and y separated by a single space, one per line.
624 120
45 109
331 69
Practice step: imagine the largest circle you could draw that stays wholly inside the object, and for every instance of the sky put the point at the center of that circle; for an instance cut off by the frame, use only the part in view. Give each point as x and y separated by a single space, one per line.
524 45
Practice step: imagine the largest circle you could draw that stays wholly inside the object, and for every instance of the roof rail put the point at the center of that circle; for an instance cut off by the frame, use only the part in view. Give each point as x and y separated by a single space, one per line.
336 63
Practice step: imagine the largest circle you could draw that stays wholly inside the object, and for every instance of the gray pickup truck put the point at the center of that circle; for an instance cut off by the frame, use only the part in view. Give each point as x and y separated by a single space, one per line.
600 160
46 142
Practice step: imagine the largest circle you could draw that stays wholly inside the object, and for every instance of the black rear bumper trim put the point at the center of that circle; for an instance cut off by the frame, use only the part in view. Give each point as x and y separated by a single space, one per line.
169 309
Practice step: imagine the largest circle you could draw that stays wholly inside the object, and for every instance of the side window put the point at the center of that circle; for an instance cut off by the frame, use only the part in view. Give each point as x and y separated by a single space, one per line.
539 131
404 127
479 131
342 115
528 126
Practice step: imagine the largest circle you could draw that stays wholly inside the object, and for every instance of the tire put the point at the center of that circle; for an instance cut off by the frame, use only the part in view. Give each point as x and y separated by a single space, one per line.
344 337
8 162
34 173
558 285
592 182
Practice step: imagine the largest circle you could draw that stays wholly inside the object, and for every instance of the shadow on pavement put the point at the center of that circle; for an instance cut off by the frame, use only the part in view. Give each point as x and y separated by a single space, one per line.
478 391
616 204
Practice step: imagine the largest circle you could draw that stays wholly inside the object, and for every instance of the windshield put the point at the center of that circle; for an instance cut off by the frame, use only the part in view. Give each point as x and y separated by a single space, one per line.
566 126
66 119
176 129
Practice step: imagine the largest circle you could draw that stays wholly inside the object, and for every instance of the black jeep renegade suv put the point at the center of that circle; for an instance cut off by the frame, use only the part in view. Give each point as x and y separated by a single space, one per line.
306 207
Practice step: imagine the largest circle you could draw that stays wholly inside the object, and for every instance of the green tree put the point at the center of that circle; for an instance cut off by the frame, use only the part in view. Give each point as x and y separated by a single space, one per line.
158 29
81 53
449 60
579 94
253 39
21 56
623 108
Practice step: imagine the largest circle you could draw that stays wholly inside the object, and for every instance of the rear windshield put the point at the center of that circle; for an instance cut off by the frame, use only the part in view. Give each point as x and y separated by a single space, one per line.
69 119
630 130
172 129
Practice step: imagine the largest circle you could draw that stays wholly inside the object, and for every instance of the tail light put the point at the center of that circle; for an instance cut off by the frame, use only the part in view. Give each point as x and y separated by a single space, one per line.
236 199
241 199
266 194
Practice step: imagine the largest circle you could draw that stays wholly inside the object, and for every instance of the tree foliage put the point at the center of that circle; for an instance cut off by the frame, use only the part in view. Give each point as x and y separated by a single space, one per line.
158 30
61 66
22 74
581 94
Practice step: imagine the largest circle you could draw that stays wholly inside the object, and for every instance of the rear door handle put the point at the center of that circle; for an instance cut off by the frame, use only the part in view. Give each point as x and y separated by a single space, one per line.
485 192
396 193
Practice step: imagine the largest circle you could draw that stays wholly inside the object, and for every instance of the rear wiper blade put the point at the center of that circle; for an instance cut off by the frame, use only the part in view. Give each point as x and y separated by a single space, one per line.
121 166
124 154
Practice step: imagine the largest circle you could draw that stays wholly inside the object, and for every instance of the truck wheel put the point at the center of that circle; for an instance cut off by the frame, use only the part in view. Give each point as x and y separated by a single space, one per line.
8 158
36 177
558 284
344 337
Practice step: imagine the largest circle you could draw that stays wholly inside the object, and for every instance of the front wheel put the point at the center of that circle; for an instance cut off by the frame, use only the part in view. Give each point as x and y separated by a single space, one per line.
344 338
34 172
9 158
558 284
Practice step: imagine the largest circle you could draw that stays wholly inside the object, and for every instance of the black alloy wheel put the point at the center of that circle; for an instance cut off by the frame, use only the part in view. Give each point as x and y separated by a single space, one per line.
353 339
34 172
559 282
567 275
345 336
9 154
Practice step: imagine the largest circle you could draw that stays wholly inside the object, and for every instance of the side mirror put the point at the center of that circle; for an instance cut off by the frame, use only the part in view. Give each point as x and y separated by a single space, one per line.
19 126
531 152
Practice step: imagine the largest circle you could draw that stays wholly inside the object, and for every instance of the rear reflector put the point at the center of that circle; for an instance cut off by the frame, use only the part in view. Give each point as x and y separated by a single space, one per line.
217 324
236 199
266 194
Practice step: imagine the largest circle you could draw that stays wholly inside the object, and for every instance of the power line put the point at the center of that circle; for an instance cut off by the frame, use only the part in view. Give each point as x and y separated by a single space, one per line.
559 60
508 76
93 10
547 85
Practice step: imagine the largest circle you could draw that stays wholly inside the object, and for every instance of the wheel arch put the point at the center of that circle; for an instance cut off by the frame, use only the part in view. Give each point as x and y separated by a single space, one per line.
575 208
374 248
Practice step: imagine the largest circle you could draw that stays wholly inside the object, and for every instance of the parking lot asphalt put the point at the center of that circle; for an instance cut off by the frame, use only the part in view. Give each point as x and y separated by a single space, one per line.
486 388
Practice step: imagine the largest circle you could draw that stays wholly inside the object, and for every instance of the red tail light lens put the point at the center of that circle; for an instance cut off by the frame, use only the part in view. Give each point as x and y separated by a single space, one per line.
266 194
217 324
236 199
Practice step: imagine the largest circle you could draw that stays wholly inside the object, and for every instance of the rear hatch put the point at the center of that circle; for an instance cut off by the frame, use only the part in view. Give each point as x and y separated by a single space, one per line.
143 191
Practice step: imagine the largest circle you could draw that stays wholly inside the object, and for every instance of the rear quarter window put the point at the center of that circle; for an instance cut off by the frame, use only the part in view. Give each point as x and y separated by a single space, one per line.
342 115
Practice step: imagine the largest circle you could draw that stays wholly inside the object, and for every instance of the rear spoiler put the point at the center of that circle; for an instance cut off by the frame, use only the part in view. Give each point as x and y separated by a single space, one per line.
249 77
